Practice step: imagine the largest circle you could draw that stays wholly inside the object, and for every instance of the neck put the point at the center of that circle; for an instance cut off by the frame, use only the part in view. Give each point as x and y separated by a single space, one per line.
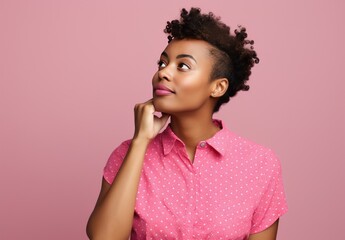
192 129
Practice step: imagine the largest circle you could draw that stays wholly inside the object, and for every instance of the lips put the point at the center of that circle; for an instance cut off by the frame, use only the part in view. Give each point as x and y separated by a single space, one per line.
162 90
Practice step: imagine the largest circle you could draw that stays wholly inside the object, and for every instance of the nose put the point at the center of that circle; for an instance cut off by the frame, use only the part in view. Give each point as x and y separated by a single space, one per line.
165 74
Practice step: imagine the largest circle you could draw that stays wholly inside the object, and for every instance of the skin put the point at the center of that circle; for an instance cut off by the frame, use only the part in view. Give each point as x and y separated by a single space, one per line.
184 67
191 104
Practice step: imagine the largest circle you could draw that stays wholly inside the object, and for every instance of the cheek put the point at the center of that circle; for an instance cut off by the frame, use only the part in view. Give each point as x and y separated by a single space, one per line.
194 87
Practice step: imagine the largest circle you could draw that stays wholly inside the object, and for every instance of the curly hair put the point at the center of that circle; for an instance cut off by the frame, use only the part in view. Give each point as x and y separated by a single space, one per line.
234 54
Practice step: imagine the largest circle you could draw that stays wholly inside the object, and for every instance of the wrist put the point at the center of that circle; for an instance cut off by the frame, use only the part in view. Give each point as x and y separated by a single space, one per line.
139 141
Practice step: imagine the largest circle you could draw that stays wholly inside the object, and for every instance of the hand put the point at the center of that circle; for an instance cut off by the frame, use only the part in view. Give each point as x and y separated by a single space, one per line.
147 125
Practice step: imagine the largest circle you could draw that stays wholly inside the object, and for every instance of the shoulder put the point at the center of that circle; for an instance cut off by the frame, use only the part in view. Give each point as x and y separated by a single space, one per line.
261 162
117 156
253 147
251 152
121 149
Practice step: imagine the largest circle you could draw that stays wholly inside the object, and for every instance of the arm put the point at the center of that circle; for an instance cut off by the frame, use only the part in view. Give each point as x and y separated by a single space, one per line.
269 233
112 216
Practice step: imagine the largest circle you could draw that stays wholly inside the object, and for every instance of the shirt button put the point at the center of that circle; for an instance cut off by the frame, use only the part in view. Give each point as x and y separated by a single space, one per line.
202 144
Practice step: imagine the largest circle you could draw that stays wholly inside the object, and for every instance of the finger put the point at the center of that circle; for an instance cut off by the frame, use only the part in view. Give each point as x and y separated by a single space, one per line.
165 114
138 105
149 101
164 117
146 107
162 120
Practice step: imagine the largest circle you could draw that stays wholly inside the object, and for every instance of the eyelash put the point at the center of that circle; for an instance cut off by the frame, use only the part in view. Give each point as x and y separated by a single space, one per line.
159 63
183 64
180 65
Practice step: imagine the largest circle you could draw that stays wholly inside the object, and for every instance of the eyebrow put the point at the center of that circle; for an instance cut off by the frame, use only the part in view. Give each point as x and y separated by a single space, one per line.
179 56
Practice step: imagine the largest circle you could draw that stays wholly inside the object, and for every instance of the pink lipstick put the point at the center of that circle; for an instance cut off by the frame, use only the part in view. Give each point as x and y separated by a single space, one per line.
161 90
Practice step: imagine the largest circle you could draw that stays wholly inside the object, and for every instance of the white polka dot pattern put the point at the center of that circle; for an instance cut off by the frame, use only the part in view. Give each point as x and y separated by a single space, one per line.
232 189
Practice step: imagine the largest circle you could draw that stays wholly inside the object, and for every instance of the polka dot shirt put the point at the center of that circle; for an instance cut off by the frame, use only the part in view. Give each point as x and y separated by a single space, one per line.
232 189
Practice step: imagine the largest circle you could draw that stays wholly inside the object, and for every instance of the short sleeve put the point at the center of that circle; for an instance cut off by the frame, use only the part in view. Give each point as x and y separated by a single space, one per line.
272 204
114 161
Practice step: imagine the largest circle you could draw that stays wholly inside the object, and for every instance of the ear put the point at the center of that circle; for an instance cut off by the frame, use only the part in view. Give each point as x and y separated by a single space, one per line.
219 87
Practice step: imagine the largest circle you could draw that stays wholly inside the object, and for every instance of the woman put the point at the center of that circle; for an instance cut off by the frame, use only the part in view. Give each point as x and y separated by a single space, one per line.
196 179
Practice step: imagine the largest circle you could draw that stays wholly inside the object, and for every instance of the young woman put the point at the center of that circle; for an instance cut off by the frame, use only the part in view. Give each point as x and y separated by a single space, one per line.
196 179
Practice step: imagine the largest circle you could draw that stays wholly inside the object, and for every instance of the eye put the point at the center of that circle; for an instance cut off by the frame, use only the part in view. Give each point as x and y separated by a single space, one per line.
183 66
161 64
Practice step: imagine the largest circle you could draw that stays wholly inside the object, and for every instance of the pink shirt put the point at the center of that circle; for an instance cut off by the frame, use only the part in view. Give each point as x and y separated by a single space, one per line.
234 188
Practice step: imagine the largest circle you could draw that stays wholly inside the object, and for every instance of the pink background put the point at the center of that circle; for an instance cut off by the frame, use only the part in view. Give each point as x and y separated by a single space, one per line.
71 72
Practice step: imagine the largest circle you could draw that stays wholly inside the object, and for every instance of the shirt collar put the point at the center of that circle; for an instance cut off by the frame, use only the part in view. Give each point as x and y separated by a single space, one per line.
168 140
217 142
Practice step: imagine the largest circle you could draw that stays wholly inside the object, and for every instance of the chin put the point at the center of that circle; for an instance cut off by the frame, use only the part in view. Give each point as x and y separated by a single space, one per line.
161 106
174 107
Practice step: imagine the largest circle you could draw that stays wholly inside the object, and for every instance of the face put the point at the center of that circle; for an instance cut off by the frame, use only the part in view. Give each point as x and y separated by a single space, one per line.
182 82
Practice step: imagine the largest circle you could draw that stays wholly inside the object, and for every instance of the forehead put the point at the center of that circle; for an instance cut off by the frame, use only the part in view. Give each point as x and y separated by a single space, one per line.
199 49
